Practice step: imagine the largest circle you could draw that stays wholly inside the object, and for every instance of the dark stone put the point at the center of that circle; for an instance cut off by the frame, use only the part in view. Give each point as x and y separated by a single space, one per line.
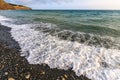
104 64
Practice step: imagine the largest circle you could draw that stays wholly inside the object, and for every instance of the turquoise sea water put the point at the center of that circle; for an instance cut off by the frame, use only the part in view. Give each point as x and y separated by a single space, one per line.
89 21
87 41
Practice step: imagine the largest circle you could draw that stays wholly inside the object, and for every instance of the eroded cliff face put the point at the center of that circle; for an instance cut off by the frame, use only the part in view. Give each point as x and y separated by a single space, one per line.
7 6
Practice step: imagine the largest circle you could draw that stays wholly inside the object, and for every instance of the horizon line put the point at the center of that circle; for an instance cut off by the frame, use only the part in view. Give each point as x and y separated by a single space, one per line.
78 9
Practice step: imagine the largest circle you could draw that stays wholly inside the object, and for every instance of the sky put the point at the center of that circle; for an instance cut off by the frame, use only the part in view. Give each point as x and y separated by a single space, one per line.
69 4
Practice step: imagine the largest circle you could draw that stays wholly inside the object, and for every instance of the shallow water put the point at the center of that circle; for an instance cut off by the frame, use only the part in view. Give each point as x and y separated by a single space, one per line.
86 41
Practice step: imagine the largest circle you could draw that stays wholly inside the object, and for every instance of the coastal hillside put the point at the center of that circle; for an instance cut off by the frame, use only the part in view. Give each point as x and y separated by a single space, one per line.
7 6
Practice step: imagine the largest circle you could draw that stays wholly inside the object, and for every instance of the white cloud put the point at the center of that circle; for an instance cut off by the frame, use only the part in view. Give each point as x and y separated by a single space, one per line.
39 1
70 4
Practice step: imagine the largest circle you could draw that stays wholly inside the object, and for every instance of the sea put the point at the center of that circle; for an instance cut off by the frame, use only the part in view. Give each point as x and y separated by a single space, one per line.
86 41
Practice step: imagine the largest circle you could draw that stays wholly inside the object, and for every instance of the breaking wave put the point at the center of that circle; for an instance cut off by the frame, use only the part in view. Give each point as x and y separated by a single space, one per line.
97 63
86 38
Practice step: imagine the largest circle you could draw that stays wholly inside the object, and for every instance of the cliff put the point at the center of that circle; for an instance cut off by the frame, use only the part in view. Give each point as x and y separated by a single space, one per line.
8 6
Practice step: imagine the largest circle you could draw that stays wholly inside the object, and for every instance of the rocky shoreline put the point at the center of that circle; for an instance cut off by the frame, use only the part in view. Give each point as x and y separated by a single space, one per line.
15 67
8 6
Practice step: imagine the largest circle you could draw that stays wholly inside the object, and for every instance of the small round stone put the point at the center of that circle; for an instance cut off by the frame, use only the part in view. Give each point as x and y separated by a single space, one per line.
27 76
11 78
6 73
42 72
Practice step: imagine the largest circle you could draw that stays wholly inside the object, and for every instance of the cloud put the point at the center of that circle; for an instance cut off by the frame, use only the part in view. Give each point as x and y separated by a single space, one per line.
69 4
38 1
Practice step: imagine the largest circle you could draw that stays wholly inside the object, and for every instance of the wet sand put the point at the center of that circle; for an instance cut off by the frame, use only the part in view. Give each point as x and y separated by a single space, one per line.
15 67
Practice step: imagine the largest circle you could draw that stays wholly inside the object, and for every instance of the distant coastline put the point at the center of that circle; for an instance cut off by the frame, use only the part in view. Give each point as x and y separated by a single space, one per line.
9 6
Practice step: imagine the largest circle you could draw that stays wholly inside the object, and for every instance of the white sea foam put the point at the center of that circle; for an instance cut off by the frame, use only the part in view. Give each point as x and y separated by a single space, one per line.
96 63
2 19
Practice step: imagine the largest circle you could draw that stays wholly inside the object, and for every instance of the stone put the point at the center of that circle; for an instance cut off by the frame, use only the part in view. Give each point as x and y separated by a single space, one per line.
6 73
27 76
11 78
43 72
65 76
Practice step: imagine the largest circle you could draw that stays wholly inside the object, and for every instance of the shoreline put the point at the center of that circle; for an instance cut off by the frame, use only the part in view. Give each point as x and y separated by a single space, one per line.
15 67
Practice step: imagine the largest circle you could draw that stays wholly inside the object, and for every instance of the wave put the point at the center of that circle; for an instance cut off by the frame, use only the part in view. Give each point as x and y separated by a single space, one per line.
87 26
97 63
86 38
3 19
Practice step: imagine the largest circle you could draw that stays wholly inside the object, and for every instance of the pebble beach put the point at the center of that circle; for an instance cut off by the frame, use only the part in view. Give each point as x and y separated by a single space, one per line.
15 67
